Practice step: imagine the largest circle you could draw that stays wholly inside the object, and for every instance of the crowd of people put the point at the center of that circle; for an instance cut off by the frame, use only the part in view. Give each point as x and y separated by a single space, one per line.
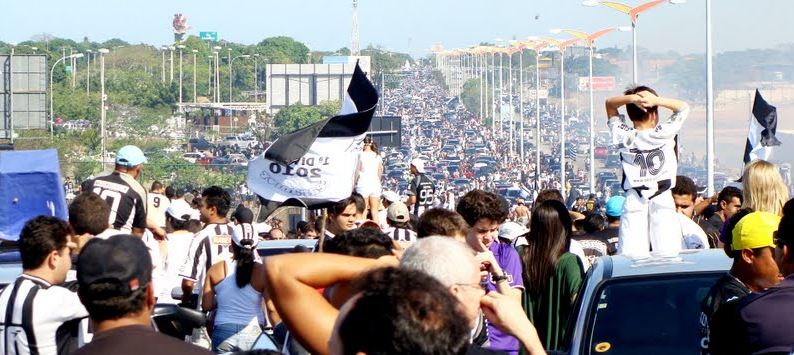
470 273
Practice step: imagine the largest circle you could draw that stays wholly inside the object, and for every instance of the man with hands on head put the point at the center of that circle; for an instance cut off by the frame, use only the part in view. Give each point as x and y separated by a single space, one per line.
649 158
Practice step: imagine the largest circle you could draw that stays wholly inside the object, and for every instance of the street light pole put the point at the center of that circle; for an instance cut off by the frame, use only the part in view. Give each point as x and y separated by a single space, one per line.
537 118
162 76
709 106
521 100
171 53
256 77
634 70
102 52
181 47
194 75
562 122
52 69
231 72
88 74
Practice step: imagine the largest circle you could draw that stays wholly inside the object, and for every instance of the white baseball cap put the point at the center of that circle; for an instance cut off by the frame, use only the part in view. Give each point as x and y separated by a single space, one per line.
391 196
419 164
512 230
179 209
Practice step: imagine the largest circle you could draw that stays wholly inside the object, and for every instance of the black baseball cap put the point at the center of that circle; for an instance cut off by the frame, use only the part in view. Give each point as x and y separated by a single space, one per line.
121 260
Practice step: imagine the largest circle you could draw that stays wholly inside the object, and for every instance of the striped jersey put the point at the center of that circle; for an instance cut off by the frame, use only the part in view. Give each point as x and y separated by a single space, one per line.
649 157
400 234
126 198
39 318
209 246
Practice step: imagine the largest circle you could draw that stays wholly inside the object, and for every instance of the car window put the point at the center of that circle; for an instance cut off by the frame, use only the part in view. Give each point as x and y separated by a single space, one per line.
649 315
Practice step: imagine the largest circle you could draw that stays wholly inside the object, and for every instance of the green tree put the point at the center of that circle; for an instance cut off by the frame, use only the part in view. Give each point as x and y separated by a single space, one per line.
471 95
297 116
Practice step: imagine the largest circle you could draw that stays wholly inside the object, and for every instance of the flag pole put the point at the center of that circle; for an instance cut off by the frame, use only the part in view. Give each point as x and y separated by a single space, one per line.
323 223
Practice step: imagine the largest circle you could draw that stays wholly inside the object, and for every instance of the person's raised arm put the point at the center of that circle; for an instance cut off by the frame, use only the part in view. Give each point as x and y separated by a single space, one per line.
292 281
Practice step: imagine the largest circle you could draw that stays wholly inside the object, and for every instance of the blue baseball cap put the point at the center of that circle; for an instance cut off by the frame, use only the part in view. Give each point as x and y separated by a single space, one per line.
130 156
615 206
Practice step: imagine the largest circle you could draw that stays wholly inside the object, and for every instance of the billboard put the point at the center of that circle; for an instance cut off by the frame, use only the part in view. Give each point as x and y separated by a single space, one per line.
600 83
386 131
308 84
23 87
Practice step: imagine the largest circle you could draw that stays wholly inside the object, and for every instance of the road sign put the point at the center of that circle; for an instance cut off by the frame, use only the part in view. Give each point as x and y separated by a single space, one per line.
208 36
68 68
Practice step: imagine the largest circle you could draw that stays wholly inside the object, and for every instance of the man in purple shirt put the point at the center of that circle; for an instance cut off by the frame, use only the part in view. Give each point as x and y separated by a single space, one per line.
485 212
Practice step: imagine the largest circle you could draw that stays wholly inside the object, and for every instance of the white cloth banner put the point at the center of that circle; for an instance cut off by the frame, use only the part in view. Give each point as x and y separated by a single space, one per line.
326 172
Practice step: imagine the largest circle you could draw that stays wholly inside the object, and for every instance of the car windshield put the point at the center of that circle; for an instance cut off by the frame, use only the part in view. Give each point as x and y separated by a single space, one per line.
649 315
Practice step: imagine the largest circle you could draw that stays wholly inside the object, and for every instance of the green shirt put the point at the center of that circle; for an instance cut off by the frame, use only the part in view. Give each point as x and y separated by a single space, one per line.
549 310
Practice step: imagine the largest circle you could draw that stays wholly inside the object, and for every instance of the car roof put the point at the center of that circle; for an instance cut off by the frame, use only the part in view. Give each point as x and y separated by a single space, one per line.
697 260
285 243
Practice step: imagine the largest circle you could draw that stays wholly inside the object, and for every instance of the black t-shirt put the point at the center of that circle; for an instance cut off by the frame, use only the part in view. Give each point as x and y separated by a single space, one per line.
137 340
424 189
726 289
598 244
126 198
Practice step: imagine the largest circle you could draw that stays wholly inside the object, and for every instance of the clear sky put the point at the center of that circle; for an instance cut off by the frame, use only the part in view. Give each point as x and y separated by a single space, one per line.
402 25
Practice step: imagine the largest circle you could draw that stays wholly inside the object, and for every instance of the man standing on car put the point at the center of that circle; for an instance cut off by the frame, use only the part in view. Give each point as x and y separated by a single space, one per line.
40 317
421 192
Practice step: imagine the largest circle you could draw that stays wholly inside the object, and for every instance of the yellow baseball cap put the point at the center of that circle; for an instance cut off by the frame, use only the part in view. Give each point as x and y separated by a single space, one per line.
755 230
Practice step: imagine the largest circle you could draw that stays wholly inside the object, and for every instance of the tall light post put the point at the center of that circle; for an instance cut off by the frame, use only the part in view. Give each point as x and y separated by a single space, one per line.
633 13
209 76
171 58
102 52
52 69
217 92
181 47
231 77
195 51
88 73
562 46
537 46
709 105
229 61
589 39
162 76
256 77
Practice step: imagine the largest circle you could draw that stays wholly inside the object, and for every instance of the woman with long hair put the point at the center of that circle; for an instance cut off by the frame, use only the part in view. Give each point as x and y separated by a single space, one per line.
552 275
370 169
234 290
763 187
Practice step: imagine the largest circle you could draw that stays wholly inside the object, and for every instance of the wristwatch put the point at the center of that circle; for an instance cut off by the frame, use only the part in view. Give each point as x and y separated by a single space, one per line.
498 278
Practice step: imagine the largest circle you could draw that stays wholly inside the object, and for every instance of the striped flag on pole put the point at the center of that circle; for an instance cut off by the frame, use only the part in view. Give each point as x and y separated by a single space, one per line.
761 136
315 166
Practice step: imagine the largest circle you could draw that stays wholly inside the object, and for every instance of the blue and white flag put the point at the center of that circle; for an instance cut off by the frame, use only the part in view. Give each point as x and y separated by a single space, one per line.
315 166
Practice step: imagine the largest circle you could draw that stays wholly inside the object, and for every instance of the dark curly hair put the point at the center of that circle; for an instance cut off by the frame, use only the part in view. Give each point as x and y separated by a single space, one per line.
403 311
361 242
479 204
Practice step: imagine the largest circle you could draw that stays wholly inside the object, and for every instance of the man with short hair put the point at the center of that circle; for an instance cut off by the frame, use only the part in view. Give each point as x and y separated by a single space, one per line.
443 222
88 216
684 195
341 217
453 264
729 201
115 279
760 322
210 245
122 192
38 316
421 192
156 206
485 212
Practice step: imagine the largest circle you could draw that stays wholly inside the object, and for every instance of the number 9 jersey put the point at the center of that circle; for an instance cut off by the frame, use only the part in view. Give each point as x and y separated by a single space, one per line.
649 157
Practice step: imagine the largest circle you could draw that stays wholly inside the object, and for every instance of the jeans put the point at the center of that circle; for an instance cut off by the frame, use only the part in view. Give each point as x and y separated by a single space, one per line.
229 337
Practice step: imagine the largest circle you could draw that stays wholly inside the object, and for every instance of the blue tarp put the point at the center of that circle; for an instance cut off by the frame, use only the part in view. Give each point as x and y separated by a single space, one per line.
30 186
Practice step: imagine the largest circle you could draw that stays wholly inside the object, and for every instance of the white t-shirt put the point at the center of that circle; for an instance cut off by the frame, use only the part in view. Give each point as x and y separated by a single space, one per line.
178 246
648 156
693 237
156 206
368 169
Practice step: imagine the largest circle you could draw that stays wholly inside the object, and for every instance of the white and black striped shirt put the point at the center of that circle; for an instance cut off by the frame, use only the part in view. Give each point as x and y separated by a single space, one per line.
400 234
39 318
208 247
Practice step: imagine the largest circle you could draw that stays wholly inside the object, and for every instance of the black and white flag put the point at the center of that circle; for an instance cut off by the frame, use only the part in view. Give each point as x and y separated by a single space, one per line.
761 136
315 166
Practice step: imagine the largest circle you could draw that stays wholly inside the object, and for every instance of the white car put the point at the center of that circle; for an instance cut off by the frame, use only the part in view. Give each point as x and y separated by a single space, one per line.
192 157
240 141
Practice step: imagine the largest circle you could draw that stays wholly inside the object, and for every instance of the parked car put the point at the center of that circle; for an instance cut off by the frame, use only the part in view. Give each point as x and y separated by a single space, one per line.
199 144
192 157
267 248
644 307
239 141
